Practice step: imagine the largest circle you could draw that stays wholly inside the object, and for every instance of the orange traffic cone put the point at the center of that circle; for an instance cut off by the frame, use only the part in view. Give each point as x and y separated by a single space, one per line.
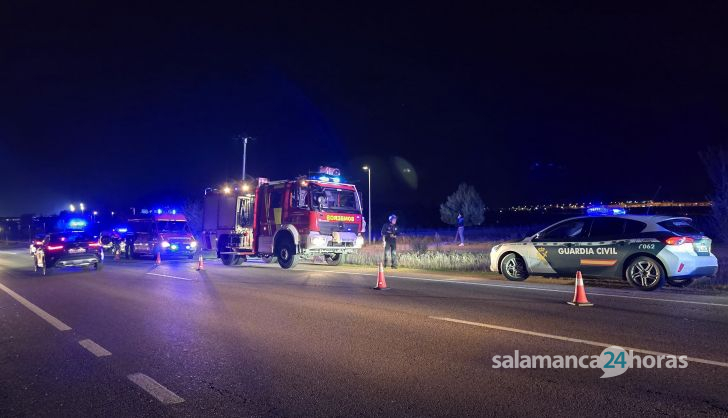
158 261
200 264
381 282
579 293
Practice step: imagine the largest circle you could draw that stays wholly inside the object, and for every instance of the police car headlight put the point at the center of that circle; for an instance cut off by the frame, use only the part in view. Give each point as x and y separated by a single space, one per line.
165 244
193 244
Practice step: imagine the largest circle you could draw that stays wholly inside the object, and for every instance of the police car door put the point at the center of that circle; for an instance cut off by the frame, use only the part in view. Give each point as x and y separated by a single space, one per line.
609 238
558 248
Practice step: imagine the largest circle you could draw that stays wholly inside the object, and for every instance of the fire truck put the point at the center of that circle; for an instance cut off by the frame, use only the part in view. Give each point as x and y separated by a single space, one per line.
159 232
284 220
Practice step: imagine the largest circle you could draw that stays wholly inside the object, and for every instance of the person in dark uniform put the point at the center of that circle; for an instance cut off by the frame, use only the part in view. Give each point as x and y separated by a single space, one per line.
389 239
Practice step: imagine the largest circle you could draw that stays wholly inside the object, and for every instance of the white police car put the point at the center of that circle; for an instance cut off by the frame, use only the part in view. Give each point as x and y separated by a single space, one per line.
645 250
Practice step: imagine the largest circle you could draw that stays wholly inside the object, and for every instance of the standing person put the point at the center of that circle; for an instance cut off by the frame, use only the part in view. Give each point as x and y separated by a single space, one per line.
461 229
389 239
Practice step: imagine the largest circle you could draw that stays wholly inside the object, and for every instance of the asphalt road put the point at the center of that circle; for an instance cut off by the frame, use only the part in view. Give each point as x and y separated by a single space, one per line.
255 340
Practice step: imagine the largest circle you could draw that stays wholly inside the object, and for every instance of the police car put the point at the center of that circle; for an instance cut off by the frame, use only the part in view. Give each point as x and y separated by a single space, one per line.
645 250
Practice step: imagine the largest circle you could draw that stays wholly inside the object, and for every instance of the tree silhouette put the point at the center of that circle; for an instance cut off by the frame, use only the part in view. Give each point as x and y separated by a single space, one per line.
466 200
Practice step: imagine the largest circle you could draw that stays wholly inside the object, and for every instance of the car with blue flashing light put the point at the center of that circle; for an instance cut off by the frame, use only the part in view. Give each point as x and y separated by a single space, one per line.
68 249
647 251
161 232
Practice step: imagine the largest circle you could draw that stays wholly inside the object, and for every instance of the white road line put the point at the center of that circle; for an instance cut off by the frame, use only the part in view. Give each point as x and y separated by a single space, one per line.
8 252
540 289
155 389
36 310
94 348
574 340
171 277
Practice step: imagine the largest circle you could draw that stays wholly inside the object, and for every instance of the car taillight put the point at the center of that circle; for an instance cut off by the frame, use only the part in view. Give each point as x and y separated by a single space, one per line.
679 240
55 247
38 242
94 244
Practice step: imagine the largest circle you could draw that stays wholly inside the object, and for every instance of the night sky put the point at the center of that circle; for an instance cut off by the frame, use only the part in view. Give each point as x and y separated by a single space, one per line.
126 105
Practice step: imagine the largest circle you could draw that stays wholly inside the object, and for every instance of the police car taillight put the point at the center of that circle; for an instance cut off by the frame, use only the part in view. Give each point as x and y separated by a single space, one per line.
679 240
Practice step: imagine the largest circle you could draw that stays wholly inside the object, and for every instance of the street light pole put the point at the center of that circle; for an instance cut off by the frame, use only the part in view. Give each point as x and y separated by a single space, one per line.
369 175
245 152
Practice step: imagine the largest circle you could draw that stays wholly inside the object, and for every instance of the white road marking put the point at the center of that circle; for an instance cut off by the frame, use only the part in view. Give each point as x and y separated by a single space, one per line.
155 389
36 310
94 348
8 252
574 340
171 277
540 289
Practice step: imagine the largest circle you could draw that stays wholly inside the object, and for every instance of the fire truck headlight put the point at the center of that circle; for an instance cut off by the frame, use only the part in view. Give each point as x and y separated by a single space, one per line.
359 241
318 241
165 244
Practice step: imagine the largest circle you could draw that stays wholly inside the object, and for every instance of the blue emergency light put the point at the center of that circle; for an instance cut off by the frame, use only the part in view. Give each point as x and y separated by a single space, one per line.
76 223
605 211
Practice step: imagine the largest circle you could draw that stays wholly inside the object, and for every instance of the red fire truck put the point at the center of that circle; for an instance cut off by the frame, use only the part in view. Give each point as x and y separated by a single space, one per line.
284 220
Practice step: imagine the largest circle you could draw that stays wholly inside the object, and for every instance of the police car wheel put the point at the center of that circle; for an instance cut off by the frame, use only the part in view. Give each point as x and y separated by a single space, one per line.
645 273
679 282
514 268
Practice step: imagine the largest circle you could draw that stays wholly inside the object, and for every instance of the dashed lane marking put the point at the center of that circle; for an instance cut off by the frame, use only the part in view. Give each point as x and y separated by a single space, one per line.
94 348
154 388
36 310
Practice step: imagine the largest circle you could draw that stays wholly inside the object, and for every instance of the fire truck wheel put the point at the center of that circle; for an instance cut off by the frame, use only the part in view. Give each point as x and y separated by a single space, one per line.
287 257
268 259
240 260
334 259
229 259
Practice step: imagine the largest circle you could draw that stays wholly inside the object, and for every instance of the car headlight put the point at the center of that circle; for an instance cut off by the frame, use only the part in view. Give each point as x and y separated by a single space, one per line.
193 244
165 244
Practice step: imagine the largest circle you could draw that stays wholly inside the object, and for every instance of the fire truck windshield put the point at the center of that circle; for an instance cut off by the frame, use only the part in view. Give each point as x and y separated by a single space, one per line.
332 199
172 226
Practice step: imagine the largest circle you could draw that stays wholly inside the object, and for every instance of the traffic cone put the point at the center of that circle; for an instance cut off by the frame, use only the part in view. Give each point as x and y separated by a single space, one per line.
200 264
381 282
158 261
579 293
117 255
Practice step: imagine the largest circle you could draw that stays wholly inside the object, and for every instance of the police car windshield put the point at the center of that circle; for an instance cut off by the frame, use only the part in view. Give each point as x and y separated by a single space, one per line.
340 200
172 226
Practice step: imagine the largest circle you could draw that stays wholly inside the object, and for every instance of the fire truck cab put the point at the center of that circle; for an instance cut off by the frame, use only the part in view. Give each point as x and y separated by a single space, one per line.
285 220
